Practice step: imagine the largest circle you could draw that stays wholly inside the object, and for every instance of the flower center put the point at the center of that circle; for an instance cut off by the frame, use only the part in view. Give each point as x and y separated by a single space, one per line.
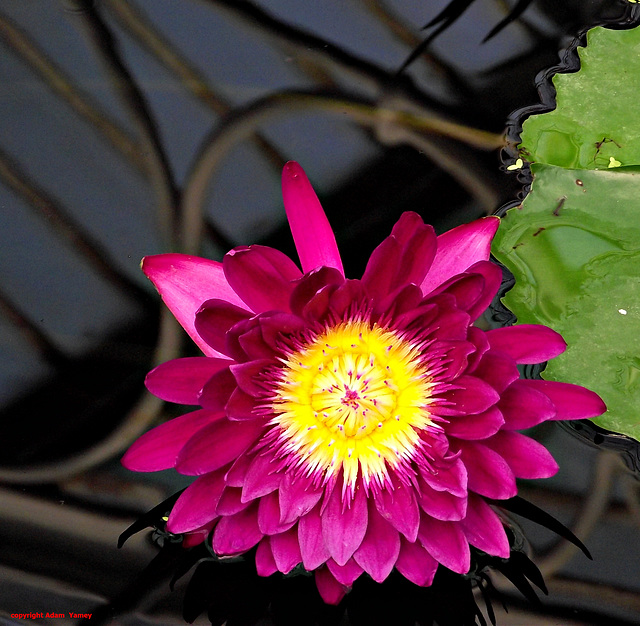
355 397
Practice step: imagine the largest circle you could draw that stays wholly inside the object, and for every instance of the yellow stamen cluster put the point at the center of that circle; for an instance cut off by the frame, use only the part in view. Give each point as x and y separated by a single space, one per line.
354 397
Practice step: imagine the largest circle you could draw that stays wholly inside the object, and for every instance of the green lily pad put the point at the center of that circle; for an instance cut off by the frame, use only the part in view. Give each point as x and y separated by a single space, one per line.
597 109
574 243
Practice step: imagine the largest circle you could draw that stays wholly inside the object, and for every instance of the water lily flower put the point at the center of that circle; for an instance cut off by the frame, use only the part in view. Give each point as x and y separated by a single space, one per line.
345 425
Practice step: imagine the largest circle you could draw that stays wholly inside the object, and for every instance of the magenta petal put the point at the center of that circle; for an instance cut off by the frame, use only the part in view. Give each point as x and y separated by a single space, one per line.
181 380
415 563
343 297
527 343
489 474
400 508
261 276
312 234
311 285
238 470
329 588
571 401
523 406
455 359
419 245
441 504
265 563
451 324
297 497
343 528
198 535
452 478
382 267
478 426
473 396
238 533
231 502
254 345
269 515
276 325
197 504
312 547
422 316
467 289
483 528
286 550
497 369
217 391
345 574
402 258
215 318
158 449
492 275
458 249
185 282
318 306
233 348
402 304
478 339
241 406
446 543
380 547
216 445
261 478
246 375
527 458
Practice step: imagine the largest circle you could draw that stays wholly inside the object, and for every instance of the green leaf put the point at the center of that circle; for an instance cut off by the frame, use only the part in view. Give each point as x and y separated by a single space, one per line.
574 244
597 109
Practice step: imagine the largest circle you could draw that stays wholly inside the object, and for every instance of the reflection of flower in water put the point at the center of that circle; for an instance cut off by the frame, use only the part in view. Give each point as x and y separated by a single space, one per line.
350 425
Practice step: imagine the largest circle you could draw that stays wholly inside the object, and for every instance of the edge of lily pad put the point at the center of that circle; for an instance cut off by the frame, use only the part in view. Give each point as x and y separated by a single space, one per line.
569 62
